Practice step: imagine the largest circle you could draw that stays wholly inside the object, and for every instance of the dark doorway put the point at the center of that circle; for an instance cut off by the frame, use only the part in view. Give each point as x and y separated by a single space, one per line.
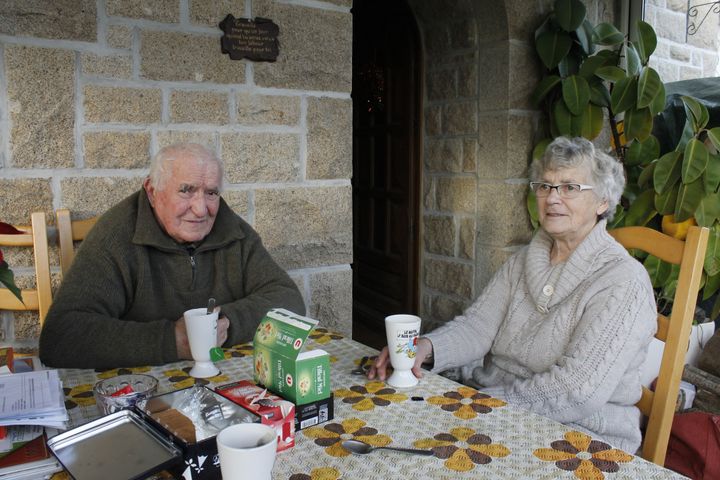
386 165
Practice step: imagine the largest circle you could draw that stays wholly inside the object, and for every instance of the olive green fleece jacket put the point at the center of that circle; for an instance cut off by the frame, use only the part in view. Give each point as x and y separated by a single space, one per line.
130 282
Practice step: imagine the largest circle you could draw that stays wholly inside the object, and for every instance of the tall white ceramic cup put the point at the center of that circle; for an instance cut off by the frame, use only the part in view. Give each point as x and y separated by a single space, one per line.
402 336
247 451
202 335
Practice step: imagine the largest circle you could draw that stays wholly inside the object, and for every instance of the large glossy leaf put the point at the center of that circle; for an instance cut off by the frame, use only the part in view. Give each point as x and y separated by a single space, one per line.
543 88
657 270
532 209
714 137
712 283
576 93
648 87
584 35
607 34
592 121
552 47
632 60
658 103
696 113
642 210
688 200
566 123
540 148
599 94
712 174
619 218
665 202
646 175
708 211
667 171
695 160
642 153
624 95
712 254
569 14
610 73
590 65
638 124
647 41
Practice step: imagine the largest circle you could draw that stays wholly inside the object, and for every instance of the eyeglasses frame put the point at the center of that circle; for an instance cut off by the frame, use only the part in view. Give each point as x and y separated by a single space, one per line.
582 188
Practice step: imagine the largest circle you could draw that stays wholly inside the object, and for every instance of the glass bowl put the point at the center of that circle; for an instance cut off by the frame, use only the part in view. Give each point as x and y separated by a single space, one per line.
123 392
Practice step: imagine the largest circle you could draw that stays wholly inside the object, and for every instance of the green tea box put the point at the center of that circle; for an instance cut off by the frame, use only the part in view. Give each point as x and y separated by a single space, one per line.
282 365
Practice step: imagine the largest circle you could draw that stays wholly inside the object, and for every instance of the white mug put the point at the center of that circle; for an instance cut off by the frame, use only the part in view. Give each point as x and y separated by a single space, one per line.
402 337
247 451
202 336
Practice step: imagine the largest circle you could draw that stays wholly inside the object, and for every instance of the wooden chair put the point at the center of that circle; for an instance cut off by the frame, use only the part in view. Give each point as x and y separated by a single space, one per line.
40 297
659 406
68 233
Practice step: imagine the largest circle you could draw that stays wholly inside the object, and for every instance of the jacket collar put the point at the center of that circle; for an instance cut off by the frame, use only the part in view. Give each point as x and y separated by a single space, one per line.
148 232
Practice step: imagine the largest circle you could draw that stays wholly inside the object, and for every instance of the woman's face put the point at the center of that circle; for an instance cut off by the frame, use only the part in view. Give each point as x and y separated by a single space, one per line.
569 219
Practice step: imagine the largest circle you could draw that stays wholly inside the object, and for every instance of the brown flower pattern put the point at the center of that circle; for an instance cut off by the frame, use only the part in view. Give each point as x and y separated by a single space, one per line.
323 335
466 403
324 473
368 396
238 351
463 448
331 436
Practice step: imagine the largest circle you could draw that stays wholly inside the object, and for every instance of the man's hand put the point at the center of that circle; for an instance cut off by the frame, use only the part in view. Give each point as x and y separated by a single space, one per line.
379 368
181 338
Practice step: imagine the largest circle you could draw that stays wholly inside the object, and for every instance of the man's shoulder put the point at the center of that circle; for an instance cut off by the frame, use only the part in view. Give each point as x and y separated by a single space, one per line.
119 220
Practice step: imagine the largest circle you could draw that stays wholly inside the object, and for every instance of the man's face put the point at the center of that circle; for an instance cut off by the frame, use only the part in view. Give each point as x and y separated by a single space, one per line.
186 205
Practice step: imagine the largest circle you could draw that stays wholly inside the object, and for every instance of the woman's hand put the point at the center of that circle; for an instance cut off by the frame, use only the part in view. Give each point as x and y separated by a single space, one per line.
424 353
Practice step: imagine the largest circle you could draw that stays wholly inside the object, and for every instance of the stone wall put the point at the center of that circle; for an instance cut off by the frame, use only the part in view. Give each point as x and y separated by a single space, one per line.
91 89
681 57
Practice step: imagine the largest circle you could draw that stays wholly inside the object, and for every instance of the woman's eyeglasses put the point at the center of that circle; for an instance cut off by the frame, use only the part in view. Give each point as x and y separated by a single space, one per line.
565 190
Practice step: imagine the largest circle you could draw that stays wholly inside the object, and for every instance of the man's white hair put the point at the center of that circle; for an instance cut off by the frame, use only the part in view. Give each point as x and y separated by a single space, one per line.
160 166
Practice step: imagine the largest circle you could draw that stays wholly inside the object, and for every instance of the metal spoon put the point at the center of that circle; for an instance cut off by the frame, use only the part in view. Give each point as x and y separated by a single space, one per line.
356 446
211 306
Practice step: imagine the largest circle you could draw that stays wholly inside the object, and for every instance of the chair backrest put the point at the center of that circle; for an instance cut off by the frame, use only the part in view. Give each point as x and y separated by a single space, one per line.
70 231
659 406
40 297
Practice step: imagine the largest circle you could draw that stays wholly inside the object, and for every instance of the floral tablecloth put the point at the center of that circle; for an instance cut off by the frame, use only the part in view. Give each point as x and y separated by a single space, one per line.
471 434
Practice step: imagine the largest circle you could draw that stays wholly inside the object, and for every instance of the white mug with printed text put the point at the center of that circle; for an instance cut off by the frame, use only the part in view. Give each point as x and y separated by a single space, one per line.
402 337
202 336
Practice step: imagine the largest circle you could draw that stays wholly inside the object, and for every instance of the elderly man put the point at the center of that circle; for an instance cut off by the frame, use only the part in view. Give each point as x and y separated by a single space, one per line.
165 249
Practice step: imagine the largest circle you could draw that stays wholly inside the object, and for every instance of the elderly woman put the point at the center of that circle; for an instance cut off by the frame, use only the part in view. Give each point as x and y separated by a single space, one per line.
562 328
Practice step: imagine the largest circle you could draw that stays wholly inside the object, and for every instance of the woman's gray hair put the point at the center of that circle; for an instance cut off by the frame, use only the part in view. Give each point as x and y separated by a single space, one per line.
163 159
606 173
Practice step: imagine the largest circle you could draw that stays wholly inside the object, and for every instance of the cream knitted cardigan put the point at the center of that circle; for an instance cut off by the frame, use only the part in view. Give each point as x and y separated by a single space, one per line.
566 341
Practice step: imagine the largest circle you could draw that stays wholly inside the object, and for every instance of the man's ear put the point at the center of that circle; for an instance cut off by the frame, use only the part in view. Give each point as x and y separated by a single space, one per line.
149 191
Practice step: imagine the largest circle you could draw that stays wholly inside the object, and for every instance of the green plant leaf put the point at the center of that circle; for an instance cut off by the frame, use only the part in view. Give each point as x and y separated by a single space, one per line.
712 174
708 211
715 309
576 93
714 137
599 94
592 121
696 113
569 65
632 59
569 14
540 148
657 270
642 210
642 153
712 254
584 35
665 202
638 124
695 160
532 209
566 123
688 200
658 103
545 86
624 95
552 47
8 279
610 73
647 41
712 283
646 175
590 65
667 171
618 219
606 34
648 87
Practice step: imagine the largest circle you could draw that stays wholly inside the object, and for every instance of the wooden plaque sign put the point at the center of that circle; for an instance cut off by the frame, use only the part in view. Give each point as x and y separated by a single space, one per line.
252 39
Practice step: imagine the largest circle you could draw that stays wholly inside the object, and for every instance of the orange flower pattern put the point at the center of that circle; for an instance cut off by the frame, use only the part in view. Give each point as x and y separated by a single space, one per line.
324 473
463 448
585 457
331 436
368 396
466 403
323 335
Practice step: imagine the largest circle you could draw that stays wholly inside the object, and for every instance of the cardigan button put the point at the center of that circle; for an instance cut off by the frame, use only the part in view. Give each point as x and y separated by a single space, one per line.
548 290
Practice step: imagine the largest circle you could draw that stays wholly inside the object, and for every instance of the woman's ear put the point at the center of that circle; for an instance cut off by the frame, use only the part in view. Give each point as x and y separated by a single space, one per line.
602 208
